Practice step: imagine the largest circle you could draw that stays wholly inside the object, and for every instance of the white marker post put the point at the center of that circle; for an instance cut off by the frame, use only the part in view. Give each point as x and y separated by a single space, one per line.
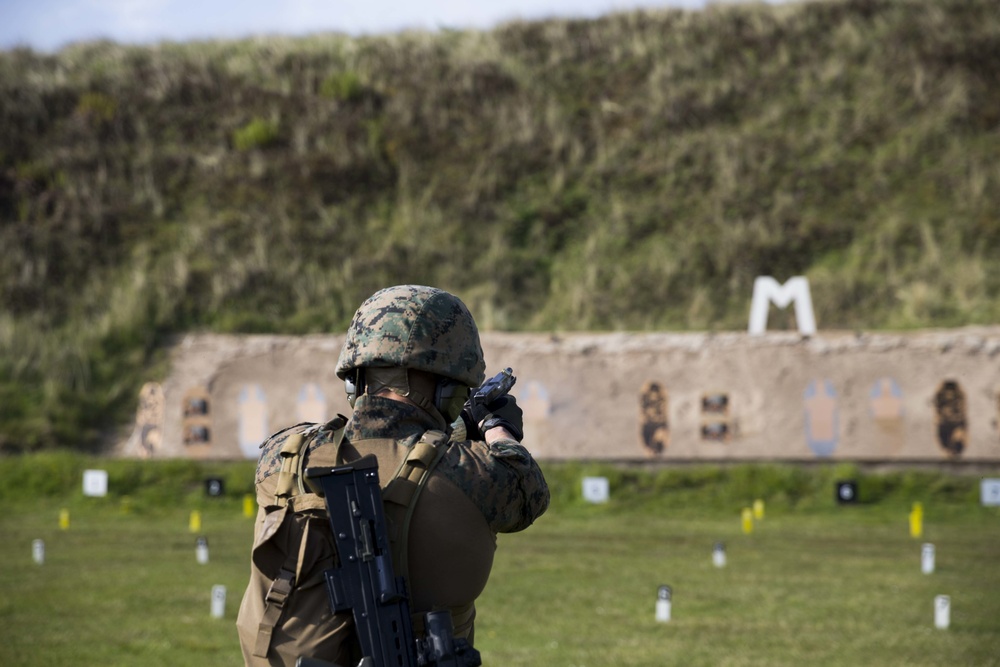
663 598
719 555
218 601
942 612
927 558
38 551
201 550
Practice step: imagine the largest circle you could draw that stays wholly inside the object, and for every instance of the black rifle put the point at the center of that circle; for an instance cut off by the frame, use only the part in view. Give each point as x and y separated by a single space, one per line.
364 581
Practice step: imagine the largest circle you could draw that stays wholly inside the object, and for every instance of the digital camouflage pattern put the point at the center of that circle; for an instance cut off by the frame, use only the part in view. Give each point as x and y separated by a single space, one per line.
416 327
318 435
502 479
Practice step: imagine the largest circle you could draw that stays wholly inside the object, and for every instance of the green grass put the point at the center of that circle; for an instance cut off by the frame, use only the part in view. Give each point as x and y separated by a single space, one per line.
818 588
814 583
121 587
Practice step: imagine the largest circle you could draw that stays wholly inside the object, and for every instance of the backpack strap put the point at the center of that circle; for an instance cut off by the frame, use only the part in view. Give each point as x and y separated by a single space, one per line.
290 478
290 475
399 497
290 495
274 604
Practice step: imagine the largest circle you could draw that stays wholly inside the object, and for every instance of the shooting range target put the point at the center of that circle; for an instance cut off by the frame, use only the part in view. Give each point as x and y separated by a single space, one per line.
654 433
311 404
148 434
822 417
196 425
252 416
716 424
534 399
950 418
887 410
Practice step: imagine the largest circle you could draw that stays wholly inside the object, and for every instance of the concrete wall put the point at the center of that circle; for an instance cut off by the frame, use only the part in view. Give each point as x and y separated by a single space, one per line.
869 397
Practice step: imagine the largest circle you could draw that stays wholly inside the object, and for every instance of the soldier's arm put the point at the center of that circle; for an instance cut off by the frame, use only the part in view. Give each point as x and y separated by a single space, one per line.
501 477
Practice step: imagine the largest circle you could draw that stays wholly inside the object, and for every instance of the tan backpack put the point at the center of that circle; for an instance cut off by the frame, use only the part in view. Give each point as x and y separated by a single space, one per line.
285 611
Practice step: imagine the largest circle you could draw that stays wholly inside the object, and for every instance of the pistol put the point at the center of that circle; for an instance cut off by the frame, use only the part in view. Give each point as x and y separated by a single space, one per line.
497 386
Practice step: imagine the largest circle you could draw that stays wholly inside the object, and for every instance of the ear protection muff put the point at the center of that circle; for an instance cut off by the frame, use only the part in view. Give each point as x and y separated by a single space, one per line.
450 397
354 383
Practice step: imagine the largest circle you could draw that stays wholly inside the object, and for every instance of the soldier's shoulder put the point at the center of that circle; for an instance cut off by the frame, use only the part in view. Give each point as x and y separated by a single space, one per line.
322 434
269 461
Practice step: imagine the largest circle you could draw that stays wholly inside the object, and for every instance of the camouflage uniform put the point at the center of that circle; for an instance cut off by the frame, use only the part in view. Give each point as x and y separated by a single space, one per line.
475 491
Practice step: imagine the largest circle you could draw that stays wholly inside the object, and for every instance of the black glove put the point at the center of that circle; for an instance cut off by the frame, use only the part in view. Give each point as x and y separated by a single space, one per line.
502 412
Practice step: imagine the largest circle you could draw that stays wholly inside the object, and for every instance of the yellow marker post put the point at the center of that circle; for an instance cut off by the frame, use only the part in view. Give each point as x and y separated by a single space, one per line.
248 506
758 509
747 521
195 523
64 519
917 520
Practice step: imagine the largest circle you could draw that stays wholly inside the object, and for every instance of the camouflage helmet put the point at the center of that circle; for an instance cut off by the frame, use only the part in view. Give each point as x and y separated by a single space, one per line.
416 327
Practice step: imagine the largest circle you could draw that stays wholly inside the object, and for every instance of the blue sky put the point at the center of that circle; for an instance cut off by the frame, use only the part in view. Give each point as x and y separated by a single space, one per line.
47 25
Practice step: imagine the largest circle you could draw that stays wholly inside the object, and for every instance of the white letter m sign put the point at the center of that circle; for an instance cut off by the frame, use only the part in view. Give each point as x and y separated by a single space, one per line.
767 290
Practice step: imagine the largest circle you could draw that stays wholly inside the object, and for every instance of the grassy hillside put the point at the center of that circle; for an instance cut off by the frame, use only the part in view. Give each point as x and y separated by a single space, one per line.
636 171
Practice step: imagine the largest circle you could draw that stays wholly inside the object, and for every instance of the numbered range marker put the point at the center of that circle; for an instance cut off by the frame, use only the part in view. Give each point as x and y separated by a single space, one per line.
927 558
596 489
942 612
218 601
38 551
95 483
663 599
990 492
719 555
847 492
215 487
201 550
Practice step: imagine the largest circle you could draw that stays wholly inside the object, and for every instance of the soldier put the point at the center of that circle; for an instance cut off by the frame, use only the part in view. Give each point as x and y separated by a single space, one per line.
410 357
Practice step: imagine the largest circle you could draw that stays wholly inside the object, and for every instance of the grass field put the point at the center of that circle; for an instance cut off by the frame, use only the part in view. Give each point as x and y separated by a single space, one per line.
812 584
